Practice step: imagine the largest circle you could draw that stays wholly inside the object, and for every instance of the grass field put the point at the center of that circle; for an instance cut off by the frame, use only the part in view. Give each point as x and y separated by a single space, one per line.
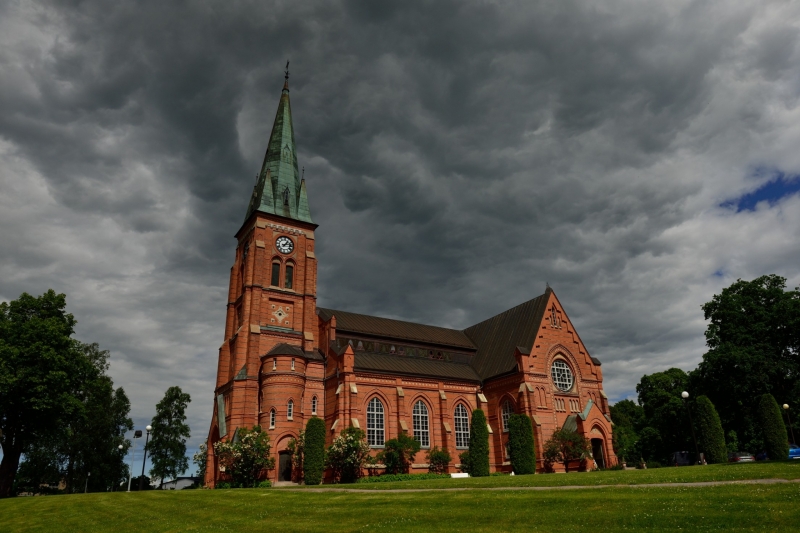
721 472
736 507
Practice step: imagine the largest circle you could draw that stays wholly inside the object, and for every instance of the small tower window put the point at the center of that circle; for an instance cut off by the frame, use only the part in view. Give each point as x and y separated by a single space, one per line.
272 418
289 276
275 364
290 410
292 363
314 405
286 196
276 274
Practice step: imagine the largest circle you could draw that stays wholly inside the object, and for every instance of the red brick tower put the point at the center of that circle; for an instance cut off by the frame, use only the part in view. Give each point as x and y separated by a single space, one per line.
271 319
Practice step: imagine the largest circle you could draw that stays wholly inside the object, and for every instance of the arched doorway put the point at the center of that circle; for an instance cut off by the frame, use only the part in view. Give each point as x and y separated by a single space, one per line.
284 465
597 453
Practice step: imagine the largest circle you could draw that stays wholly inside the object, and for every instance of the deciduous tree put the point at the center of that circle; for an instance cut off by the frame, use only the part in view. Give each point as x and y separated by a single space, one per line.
167 447
776 442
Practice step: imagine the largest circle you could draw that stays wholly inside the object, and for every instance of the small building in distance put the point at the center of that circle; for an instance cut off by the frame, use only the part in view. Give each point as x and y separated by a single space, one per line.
284 360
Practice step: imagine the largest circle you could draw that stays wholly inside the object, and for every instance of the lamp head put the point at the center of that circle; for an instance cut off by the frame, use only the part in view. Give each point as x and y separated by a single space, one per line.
120 446
786 406
149 428
684 395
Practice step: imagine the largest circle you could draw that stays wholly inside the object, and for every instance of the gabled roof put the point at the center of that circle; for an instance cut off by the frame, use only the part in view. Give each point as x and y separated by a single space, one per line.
497 337
415 366
495 340
396 329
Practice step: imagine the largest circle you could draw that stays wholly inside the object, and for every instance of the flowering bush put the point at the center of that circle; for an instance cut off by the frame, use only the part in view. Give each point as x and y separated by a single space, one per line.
200 457
297 448
347 455
247 459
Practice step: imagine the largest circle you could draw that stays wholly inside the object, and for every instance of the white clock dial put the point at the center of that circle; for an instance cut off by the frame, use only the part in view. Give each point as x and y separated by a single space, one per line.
284 245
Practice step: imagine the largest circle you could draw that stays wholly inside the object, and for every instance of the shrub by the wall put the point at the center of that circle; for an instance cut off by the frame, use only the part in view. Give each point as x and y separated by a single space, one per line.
479 445
398 454
385 478
438 460
521 445
314 451
776 441
710 433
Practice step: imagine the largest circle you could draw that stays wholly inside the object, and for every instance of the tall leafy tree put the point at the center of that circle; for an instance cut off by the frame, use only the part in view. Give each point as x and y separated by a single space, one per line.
40 367
629 420
665 413
710 436
478 445
167 447
753 338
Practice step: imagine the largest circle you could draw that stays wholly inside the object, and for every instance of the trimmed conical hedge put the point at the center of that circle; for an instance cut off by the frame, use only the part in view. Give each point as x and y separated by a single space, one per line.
521 445
710 433
314 451
776 441
479 445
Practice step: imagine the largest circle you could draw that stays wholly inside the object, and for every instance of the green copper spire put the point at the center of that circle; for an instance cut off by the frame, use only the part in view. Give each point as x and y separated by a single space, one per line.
279 189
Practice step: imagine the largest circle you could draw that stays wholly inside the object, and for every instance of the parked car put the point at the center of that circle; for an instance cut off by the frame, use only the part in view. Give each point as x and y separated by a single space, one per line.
761 456
794 451
741 457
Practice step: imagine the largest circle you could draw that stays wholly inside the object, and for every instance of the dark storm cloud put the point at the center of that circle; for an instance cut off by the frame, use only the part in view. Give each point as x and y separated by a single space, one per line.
458 156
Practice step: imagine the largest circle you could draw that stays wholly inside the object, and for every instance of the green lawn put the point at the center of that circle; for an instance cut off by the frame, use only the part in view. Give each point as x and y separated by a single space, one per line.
731 507
722 472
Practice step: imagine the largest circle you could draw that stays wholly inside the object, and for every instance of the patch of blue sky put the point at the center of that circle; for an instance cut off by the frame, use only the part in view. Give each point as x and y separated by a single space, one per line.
777 188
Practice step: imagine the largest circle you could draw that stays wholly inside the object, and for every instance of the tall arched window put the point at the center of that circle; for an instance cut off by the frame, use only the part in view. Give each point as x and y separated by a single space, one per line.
420 421
375 435
272 418
507 411
314 405
275 281
290 410
462 426
289 278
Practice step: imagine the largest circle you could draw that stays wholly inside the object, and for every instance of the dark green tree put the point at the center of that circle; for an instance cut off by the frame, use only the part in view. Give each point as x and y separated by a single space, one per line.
478 445
753 338
565 446
40 367
665 413
776 441
167 447
629 421
399 453
710 436
314 451
521 444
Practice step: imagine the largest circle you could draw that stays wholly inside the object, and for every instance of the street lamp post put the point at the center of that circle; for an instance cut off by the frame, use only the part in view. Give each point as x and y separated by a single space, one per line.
120 448
685 396
86 486
789 418
136 435
146 440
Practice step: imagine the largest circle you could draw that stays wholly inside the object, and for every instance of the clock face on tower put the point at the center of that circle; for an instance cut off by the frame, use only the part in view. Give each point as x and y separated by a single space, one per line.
284 245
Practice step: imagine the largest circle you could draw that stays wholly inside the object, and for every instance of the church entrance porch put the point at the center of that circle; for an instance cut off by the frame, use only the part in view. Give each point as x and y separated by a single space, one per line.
597 453
285 466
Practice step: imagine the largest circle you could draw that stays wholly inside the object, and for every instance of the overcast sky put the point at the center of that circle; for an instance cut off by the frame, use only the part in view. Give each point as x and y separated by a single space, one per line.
639 156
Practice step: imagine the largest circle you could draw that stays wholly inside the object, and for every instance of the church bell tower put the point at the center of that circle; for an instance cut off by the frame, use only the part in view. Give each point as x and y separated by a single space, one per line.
271 307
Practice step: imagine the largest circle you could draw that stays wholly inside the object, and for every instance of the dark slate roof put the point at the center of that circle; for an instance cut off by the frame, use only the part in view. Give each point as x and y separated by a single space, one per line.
411 365
288 349
396 329
497 337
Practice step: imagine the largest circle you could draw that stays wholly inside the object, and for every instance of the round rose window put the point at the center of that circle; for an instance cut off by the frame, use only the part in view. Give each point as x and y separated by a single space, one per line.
562 375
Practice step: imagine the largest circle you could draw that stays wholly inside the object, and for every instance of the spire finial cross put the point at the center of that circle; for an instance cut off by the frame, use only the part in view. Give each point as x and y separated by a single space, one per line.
286 72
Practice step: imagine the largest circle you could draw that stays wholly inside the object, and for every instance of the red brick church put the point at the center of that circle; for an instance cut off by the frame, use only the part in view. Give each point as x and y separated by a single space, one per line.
284 359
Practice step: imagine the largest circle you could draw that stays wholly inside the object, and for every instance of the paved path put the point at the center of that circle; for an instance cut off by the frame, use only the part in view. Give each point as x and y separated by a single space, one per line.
563 487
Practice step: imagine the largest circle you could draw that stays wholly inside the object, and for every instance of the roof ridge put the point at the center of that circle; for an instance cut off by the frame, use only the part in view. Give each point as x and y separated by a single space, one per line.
510 309
334 311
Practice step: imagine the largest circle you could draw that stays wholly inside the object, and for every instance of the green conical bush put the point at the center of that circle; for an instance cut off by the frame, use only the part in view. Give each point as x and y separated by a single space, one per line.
479 445
314 451
776 441
710 435
521 444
